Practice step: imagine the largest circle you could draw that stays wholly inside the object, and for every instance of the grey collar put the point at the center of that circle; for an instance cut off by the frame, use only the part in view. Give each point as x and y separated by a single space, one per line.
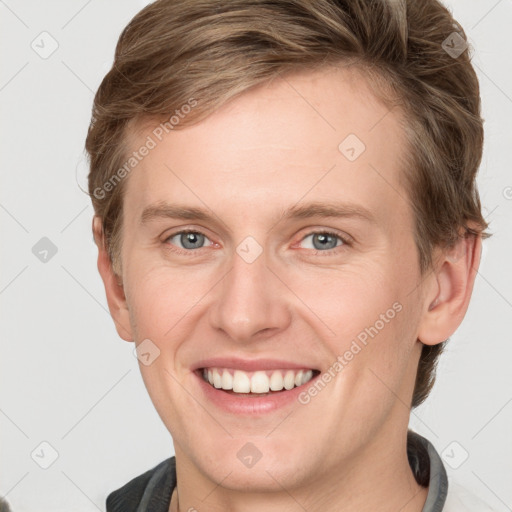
426 464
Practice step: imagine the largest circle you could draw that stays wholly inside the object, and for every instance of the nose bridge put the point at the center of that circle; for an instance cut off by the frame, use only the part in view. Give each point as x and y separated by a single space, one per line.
250 298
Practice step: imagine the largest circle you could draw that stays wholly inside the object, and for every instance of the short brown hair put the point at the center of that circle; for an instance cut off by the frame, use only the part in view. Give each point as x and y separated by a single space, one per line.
211 51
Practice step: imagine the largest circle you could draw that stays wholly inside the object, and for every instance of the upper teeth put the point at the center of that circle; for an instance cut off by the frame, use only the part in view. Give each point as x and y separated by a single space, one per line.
256 382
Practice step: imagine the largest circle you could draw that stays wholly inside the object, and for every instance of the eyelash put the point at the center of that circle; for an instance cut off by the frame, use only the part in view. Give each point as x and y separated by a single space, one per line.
329 252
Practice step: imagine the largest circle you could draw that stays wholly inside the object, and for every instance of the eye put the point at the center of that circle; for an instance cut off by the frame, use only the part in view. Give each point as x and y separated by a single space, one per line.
324 241
188 239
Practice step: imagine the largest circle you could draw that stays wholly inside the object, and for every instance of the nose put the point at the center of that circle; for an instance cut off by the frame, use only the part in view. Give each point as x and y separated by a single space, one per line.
251 301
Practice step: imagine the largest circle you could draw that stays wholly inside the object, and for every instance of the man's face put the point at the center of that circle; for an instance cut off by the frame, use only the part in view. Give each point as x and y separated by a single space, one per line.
254 285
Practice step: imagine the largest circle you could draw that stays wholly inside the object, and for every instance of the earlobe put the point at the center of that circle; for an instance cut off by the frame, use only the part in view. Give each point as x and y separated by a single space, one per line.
113 285
451 286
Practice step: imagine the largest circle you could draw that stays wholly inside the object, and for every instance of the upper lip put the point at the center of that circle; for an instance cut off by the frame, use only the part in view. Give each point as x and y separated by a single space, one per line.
249 365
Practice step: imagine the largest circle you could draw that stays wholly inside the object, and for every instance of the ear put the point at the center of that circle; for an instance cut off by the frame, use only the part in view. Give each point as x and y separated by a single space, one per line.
449 289
113 284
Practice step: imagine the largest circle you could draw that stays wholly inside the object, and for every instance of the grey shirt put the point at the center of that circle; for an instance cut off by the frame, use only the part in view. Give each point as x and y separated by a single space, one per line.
151 491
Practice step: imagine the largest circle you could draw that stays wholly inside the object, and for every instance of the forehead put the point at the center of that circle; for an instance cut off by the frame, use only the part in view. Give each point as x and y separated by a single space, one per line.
319 135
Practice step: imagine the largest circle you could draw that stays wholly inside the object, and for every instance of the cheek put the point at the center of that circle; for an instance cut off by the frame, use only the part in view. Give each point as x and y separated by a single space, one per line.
160 299
348 299
163 305
365 317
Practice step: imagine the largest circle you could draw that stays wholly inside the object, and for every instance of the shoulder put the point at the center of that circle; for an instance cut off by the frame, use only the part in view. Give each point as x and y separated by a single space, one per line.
155 483
460 499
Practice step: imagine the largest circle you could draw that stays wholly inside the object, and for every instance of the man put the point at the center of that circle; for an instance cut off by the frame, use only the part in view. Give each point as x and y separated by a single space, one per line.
289 230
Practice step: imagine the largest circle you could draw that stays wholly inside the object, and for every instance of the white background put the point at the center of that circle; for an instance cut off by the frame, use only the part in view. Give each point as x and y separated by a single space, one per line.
66 377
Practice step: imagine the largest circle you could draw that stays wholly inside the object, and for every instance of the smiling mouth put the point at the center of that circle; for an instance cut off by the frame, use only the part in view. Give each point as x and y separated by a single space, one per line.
258 383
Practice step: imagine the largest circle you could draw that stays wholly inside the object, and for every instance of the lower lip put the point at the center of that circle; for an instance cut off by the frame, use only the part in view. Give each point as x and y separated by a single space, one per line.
249 405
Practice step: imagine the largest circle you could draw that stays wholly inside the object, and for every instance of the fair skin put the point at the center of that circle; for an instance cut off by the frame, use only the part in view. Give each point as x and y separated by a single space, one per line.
268 150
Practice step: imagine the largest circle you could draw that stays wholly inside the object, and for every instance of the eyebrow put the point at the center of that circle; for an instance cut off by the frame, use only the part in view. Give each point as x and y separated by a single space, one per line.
165 210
